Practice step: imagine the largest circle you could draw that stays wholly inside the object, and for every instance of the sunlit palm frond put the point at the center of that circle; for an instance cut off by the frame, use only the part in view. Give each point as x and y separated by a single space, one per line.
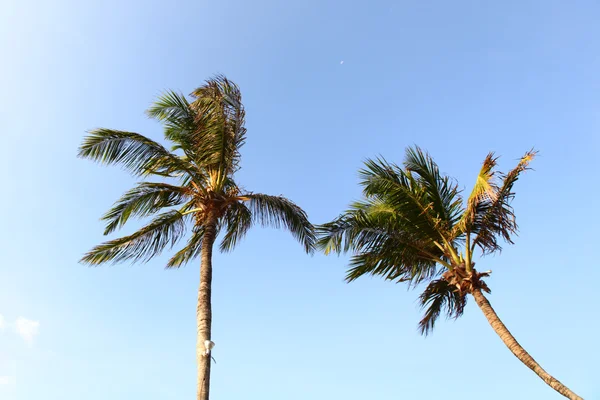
378 177
495 218
440 192
364 226
220 117
177 116
277 211
133 151
484 191
439 296
406 195
381 244
171 107
164 231
145 199
398 261
342 234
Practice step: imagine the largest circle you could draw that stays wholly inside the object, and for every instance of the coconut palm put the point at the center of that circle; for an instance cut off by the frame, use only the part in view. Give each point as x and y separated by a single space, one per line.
413 226
195 196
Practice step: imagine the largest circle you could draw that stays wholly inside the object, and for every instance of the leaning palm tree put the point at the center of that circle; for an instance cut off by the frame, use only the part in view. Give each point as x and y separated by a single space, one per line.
413 226
195 189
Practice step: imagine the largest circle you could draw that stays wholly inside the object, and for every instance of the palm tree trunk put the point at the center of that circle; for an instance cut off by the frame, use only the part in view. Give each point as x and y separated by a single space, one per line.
516 348
204 310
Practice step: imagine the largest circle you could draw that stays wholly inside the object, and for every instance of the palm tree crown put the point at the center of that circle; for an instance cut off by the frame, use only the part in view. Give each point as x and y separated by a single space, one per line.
206 136
414 226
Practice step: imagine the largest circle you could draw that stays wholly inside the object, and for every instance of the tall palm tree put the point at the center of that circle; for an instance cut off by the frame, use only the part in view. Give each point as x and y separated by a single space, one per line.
413 226
206 136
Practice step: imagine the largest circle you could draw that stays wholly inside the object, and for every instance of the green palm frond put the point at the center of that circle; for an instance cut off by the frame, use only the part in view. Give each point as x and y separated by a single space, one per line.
338 235
191 250
133 151
378 177
172 107
277 211
440 296
237 221
401 263
178 117
495 218
381 243
165 230
145 199
440 192
406 195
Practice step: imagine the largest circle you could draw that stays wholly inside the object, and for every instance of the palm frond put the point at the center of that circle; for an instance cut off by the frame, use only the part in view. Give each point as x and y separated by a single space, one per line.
237 221
191 250
145 199
277 211
441 193
403 264
165 230
338 235
439 296
406 195
484 190
220 117
133 151
495 218
178 117
172 107
381 243
365 225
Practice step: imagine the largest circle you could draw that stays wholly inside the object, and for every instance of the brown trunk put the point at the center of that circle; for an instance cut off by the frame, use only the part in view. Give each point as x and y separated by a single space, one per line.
516 348
204 310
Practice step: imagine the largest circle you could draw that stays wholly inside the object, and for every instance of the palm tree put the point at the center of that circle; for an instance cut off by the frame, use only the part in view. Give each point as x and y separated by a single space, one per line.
206 136
413 226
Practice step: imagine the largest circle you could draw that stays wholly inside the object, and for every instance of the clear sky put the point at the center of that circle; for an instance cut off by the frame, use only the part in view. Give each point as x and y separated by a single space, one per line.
458 78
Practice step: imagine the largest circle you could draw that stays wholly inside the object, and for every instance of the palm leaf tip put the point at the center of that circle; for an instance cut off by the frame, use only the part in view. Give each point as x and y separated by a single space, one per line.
329 236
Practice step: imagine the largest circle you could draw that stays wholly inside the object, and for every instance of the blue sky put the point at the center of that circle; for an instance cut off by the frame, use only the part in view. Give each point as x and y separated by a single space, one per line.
458 78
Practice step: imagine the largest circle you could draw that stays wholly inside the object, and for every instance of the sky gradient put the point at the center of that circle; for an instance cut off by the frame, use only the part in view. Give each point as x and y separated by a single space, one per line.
325 85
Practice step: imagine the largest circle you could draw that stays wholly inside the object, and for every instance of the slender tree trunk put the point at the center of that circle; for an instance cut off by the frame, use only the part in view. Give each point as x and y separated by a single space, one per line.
204 310
516 348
